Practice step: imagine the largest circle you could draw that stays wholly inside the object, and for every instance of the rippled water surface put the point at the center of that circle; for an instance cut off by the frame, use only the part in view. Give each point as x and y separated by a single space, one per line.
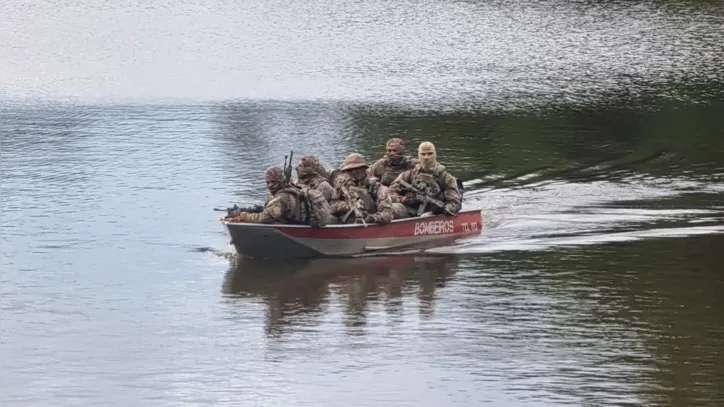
589 133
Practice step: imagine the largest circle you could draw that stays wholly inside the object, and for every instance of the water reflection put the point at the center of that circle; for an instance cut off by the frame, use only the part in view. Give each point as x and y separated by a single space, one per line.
298 293
644 318
634 324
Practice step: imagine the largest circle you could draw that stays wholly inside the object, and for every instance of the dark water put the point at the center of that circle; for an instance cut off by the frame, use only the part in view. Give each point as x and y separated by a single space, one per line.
591 134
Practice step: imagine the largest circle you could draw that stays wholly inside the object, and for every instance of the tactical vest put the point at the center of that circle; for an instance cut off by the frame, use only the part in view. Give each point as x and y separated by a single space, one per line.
391 172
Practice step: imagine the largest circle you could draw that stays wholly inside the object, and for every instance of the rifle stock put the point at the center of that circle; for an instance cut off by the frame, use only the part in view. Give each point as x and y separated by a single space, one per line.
352 204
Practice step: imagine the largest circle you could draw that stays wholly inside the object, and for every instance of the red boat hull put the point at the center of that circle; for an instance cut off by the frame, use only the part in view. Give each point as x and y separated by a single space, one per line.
301 241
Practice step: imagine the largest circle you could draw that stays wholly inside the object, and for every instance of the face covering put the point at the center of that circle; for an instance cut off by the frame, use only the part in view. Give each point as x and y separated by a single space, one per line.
274 178
427 155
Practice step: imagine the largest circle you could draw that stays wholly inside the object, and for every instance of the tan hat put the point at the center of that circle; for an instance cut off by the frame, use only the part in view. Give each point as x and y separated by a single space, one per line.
354 160
426 147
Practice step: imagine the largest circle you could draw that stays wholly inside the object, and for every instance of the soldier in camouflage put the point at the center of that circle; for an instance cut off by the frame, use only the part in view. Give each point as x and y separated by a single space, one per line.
283 205
319 168
334 174
387 168
360 195
430 177
310 175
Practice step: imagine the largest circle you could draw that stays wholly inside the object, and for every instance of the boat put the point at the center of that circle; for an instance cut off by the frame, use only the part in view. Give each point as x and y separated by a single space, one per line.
288 241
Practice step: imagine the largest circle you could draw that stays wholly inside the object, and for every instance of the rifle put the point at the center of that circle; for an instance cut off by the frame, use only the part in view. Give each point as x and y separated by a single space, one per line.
249 209
288 168
353 204
423 198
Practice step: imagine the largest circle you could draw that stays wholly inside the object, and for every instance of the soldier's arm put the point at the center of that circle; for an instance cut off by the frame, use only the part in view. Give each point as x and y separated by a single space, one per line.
338 203
343 180
273 213
375 170
326 190
393 191
385 213
452 194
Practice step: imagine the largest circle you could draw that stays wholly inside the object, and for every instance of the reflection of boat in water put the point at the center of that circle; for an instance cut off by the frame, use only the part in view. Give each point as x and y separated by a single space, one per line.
281 241
296 292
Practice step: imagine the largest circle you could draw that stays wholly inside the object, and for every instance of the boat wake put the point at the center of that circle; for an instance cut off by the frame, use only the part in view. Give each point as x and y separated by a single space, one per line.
550 214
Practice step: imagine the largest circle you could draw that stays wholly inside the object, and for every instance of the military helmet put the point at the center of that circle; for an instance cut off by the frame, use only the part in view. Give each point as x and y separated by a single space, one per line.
354 160
308 164
274 174
395 143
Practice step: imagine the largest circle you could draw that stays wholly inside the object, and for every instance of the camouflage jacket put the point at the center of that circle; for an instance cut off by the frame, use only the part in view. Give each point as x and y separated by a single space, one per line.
386 172
368 196
284 206
319 183
439 184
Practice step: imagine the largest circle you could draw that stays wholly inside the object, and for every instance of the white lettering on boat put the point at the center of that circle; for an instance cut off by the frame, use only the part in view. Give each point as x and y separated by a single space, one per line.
434 227
469 227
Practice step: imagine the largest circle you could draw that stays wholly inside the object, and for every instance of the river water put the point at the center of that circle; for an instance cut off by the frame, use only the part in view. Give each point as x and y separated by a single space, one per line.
591 134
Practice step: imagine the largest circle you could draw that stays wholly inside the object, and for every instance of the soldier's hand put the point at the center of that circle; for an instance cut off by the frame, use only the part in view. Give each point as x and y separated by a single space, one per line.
341 207
409 200
370 219
449 210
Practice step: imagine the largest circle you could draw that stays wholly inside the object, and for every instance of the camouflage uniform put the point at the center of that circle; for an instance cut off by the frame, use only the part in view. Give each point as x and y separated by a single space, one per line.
364 192
333 175
318 167
386 169
309 175
430 177
283 205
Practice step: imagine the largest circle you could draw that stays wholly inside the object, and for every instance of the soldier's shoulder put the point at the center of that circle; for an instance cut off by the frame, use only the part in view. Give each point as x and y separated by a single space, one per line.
446 176
290 193
380 161
374 183
275 199
407 173
325 184
378 166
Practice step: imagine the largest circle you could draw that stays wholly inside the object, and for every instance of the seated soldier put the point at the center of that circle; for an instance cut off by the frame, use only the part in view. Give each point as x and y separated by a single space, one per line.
387 168
429 179
358 198
283 205
333 175
309 175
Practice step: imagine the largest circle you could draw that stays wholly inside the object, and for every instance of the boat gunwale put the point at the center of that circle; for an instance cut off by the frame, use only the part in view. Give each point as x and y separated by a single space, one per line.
348 225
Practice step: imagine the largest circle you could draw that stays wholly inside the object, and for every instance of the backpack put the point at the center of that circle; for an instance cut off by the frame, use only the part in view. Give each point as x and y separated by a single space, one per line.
319 212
